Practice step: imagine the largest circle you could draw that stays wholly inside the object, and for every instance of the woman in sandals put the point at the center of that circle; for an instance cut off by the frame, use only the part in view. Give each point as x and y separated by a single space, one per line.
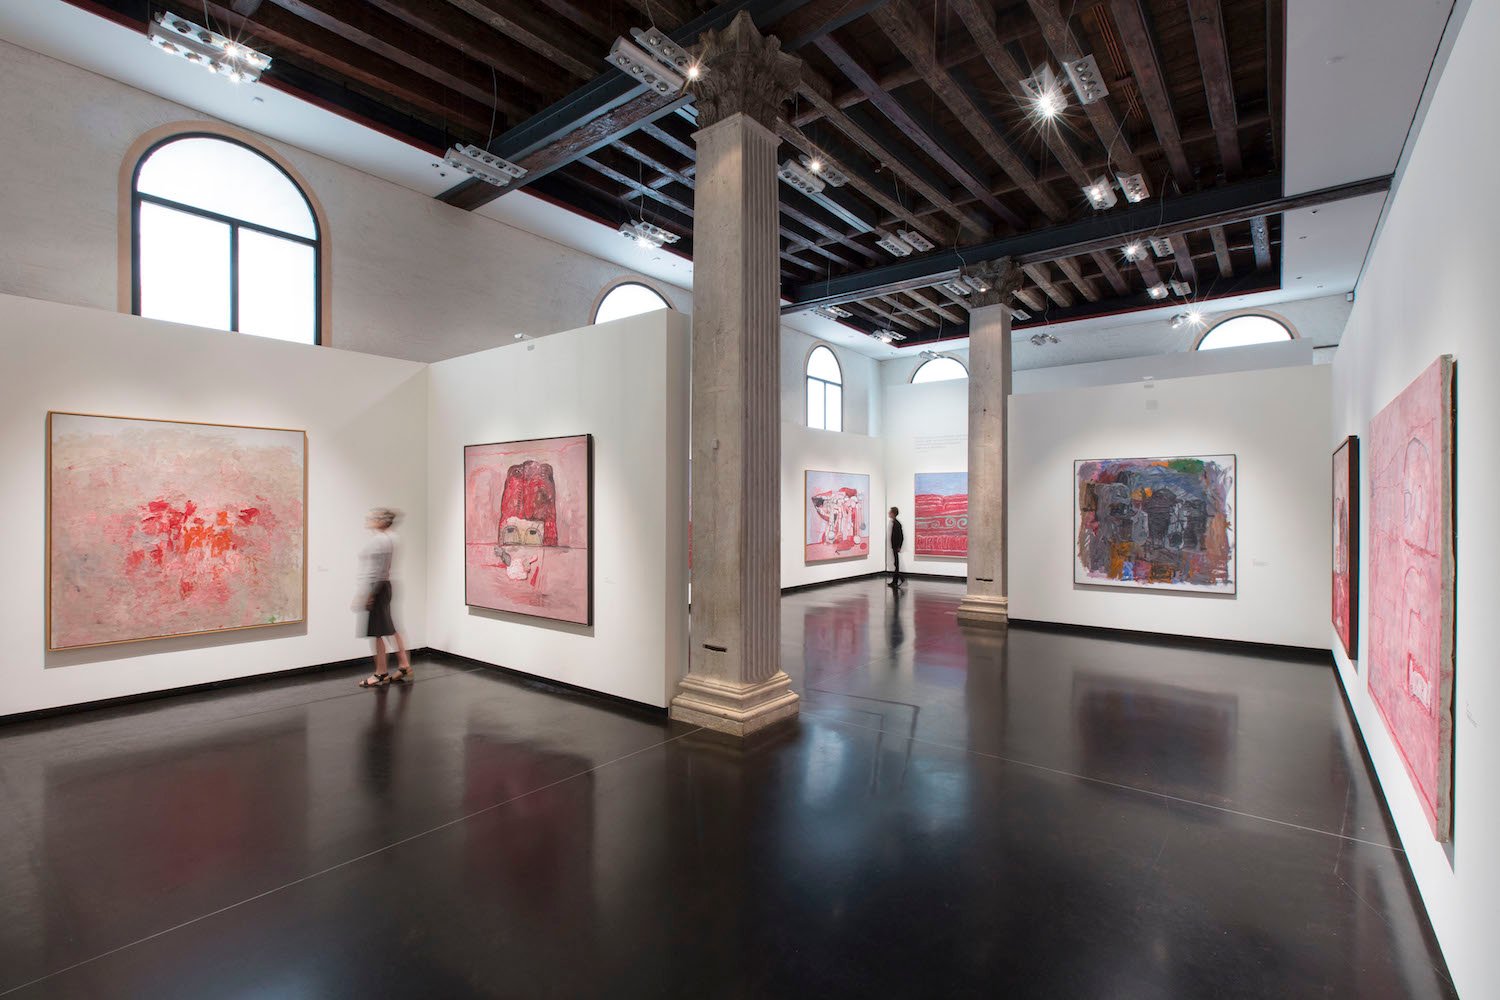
375 565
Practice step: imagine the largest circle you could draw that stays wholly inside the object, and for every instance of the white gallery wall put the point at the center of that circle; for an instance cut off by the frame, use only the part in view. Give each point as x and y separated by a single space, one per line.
626 383
365 419
1269 420
861 382
827 451
927 430
1427 290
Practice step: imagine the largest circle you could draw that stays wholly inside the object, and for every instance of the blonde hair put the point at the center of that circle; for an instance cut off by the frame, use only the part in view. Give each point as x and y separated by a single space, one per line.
385 516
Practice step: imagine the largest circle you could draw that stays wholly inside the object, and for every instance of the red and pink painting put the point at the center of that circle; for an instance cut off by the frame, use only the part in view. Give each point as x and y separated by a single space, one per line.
1410 645
160 528
528 527
837 520
942 514
1346 545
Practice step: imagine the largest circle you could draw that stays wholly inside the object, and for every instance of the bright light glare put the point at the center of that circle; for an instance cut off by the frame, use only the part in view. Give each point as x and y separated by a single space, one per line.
1134 251
815 165
694 71
1195 318
1050 104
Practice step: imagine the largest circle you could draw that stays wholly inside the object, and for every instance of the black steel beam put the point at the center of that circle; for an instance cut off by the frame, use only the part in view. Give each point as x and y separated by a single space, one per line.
1166 217
606 92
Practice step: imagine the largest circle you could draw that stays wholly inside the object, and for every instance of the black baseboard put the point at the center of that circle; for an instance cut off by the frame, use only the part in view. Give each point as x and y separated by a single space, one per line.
549 686
227 682
1311 654
831 583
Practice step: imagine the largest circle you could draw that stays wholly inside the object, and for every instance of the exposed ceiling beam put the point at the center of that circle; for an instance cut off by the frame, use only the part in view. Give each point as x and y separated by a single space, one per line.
1151 85
667 14
1184 258
558 47
579 14
817 19
1213 57
1066 46
1031 299
906 310
1221 251
1085 285
246 8
1110 271
1260 237
1041 276
912 34
437 20
1105 233
935 306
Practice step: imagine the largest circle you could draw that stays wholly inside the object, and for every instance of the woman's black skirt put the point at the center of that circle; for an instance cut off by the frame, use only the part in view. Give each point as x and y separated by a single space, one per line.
380 623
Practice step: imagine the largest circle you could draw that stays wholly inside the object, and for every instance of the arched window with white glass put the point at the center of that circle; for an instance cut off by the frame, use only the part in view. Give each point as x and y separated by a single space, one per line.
939 369
223 237
629 298
1244 330
825 391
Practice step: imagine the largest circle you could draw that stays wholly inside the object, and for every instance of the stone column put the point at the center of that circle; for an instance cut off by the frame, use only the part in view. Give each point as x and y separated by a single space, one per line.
986 602
735 683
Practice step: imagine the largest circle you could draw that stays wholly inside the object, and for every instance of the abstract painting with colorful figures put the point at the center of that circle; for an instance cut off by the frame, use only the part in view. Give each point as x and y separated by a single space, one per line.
1163 523
159 528
837 519
528 527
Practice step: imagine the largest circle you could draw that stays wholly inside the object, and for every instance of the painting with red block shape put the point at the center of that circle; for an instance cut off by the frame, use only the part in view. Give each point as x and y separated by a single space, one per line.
837 520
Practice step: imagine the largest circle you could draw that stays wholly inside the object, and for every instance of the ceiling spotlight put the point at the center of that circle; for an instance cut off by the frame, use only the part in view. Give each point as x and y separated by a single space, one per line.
1134 186
1157 291
209 49
1101 193
694 71
645 235
892 244
484 165
888 336
916 239
1180 288
1134 251
832 312
1160 246
1195 317
799 177
977 283
653 69
816 165
931 355
1043 338
1020 315
1083 73
956 287
1047 97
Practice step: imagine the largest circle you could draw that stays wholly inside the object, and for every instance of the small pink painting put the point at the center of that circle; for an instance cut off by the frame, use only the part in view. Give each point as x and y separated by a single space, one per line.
837 520
158 528
528 527
1410 644
1346 545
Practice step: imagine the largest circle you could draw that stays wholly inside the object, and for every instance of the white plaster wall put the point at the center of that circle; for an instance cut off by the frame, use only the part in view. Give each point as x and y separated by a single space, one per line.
412 277
1427 290
1266 419
626 383
828 451
927 430
364 418
1287 354
861 373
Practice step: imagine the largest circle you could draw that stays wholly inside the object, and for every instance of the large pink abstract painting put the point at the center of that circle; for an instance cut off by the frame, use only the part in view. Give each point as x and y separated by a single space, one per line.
528 527
157 528
1346 545
837 519
1410 644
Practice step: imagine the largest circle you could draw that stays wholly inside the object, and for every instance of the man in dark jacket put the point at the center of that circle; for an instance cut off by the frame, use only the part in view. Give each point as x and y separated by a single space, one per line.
897 538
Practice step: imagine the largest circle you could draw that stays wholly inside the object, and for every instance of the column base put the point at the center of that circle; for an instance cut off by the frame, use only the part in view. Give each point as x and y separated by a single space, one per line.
736 709
981 609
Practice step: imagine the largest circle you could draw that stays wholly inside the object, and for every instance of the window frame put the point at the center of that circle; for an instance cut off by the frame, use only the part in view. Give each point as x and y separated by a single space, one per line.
928 361
1279 320
132 198
613 286
808 378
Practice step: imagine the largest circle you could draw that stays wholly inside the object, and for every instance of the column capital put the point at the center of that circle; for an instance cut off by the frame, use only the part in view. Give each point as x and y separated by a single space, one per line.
1003 277
742 72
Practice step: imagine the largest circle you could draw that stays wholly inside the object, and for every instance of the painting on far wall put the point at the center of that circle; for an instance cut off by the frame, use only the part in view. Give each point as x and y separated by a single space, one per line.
837 517
159 528
1346 545
941 515
1410 643
1159 523
528 527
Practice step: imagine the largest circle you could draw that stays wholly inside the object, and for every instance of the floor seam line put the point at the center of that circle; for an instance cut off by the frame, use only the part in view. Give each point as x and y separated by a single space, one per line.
1112 784
344 864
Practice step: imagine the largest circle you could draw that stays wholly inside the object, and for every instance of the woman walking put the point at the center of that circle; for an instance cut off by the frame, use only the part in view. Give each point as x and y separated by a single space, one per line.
375 564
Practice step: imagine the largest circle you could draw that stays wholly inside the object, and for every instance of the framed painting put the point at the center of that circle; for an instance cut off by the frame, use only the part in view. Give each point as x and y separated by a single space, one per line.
941 515
1410 640
1158 523
529 527
1346 545
162 528
837 516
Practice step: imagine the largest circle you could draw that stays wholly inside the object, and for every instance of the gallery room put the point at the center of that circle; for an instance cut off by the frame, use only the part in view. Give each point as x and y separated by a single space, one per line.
748 498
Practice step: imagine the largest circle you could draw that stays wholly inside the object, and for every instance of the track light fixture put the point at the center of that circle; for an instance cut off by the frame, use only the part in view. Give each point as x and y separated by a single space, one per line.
1047 97
1133 251
977 283
888 336
1087 81
1160 246
1181 289
818 166
832 312
1134 186
1101 193
892 244
1190 318
1020 315
799 177
484 165
1157 291
655 62
209 49
1038 339
957 287
645 235
918 242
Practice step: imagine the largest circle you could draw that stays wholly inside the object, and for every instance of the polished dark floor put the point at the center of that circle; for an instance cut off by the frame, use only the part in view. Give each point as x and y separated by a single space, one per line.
956 814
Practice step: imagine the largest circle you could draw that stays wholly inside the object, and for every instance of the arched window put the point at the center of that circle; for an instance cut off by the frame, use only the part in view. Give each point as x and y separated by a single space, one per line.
223 237
939 370
825 391
630 298
1244 330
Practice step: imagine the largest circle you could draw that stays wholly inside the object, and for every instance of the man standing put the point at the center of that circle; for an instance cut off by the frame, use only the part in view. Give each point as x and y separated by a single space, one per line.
897 538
